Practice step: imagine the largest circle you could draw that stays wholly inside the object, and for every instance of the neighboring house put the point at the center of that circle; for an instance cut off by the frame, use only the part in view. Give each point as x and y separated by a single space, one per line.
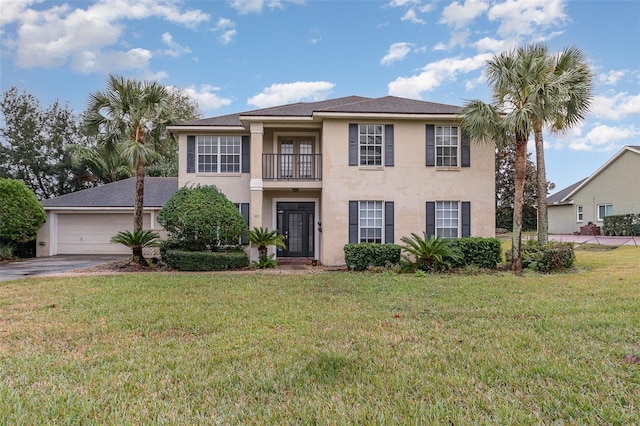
344 170
83 222
613 189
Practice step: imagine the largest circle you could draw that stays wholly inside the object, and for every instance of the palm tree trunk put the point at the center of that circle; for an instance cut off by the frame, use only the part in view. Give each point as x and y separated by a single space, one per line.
138 210
518 202
541 177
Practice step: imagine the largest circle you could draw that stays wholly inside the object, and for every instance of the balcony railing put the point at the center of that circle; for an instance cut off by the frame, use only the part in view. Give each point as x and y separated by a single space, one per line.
292 166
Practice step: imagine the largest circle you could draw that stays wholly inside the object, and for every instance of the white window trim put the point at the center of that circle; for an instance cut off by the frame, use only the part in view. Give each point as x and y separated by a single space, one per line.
382 226
197 159
579 214
458 147
382 146
459 219
600 219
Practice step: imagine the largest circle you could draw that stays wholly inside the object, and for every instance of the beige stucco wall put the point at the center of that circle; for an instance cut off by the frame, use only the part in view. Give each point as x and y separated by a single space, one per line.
618 184
409 184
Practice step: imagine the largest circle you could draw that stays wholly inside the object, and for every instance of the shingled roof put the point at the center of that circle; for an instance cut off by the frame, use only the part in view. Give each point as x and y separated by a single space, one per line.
157 190
349 104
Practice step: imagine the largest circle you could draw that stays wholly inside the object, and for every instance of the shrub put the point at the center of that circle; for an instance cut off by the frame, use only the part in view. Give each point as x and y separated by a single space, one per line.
262 238
136 241
361 256
203 218
552 257
6 251
479 252
206 260
21 214
431 253
622 224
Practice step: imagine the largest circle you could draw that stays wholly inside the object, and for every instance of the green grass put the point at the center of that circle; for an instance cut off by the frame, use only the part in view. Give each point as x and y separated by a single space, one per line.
330 348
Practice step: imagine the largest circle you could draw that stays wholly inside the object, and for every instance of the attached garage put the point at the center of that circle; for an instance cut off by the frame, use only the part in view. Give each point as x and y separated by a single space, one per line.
92 232
83 222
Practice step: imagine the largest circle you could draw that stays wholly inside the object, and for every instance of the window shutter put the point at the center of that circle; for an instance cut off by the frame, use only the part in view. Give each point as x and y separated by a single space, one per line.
465 154
431 218
388 222
388 145
466 219
244 211
353 144
353 222
246 153
191 154
431 145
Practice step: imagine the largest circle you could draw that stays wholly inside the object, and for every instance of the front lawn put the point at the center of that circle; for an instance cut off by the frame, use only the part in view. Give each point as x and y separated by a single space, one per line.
330 348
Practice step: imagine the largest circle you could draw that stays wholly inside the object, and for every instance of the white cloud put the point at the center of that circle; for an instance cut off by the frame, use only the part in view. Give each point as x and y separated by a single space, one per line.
12 10
523 17
397 51
612 77
175 50
285 93
435 74
227 28
604 138
459 15
616 107
59 35
206 96
244 7
488 44
411 16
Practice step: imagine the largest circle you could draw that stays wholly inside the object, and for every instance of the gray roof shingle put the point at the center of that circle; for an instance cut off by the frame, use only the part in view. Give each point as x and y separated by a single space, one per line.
558 197
348 104
157 190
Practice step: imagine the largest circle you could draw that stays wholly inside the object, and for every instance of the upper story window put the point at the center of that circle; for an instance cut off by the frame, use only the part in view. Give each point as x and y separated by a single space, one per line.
604 210
447 219
447 144
370 143
219 154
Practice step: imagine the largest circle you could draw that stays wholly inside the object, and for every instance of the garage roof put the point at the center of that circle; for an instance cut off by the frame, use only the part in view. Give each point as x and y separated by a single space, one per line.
157 190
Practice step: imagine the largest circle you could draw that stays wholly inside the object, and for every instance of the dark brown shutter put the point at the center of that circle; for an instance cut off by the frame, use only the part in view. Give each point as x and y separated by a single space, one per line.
246 154
353 144
191 154
431 218
431 145
388 145
388 222
353 222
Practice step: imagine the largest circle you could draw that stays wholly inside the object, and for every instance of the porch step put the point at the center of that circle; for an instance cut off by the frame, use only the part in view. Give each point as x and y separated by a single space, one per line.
294 261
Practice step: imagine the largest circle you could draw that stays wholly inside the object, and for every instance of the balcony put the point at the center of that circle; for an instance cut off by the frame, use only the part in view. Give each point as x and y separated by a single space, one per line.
292 167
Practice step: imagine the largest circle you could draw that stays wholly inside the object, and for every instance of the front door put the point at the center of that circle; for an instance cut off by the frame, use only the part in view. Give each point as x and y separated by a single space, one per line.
296 223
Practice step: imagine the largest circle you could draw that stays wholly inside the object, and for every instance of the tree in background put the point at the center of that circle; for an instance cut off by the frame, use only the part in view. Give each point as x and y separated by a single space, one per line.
35 144
505 186
21 214
130 115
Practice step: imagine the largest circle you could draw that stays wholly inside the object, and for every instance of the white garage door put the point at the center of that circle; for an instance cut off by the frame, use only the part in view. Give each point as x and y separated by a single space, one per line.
90 233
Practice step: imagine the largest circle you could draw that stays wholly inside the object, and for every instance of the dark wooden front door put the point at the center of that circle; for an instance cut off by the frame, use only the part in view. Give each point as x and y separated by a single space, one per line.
296 223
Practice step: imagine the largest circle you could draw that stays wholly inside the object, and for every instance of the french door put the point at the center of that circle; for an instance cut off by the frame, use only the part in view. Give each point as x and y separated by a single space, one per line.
296 223
296 158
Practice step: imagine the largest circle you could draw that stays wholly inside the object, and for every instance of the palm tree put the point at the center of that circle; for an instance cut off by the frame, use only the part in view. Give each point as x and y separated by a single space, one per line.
562 91
137 240
130 114
431 253
263 238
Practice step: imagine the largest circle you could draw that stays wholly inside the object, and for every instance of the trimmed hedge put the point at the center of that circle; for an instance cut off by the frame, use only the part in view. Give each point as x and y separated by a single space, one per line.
622 224
480 252
361 256
205 260
553 257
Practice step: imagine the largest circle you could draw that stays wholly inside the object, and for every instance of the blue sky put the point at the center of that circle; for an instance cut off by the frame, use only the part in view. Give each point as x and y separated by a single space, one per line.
239 55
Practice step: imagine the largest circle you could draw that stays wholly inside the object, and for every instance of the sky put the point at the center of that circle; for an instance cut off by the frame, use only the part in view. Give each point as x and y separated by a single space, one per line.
239 55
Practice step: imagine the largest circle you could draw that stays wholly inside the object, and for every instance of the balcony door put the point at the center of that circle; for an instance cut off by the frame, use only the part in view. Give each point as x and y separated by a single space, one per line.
296 158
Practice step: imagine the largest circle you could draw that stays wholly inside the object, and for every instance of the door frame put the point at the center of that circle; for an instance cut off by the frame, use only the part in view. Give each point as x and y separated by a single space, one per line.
316 212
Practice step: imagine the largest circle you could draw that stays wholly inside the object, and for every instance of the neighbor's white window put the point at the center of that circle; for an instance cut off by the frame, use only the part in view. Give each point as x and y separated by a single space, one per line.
447 143
370 144
579 214
219 154
447 219
604 210
370 221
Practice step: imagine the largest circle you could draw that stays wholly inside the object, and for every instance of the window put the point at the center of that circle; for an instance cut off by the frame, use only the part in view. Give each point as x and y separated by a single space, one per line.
447 141
447 219
604 210
370 144
579 214
219 154
370 221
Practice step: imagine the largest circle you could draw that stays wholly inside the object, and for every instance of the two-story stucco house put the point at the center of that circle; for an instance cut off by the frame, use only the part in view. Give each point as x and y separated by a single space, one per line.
352 169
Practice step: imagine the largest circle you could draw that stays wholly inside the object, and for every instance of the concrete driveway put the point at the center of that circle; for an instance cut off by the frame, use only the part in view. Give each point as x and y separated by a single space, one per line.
53 265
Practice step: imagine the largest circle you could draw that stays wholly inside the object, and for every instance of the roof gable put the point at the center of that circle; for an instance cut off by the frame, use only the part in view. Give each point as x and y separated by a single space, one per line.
565 194
157 190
